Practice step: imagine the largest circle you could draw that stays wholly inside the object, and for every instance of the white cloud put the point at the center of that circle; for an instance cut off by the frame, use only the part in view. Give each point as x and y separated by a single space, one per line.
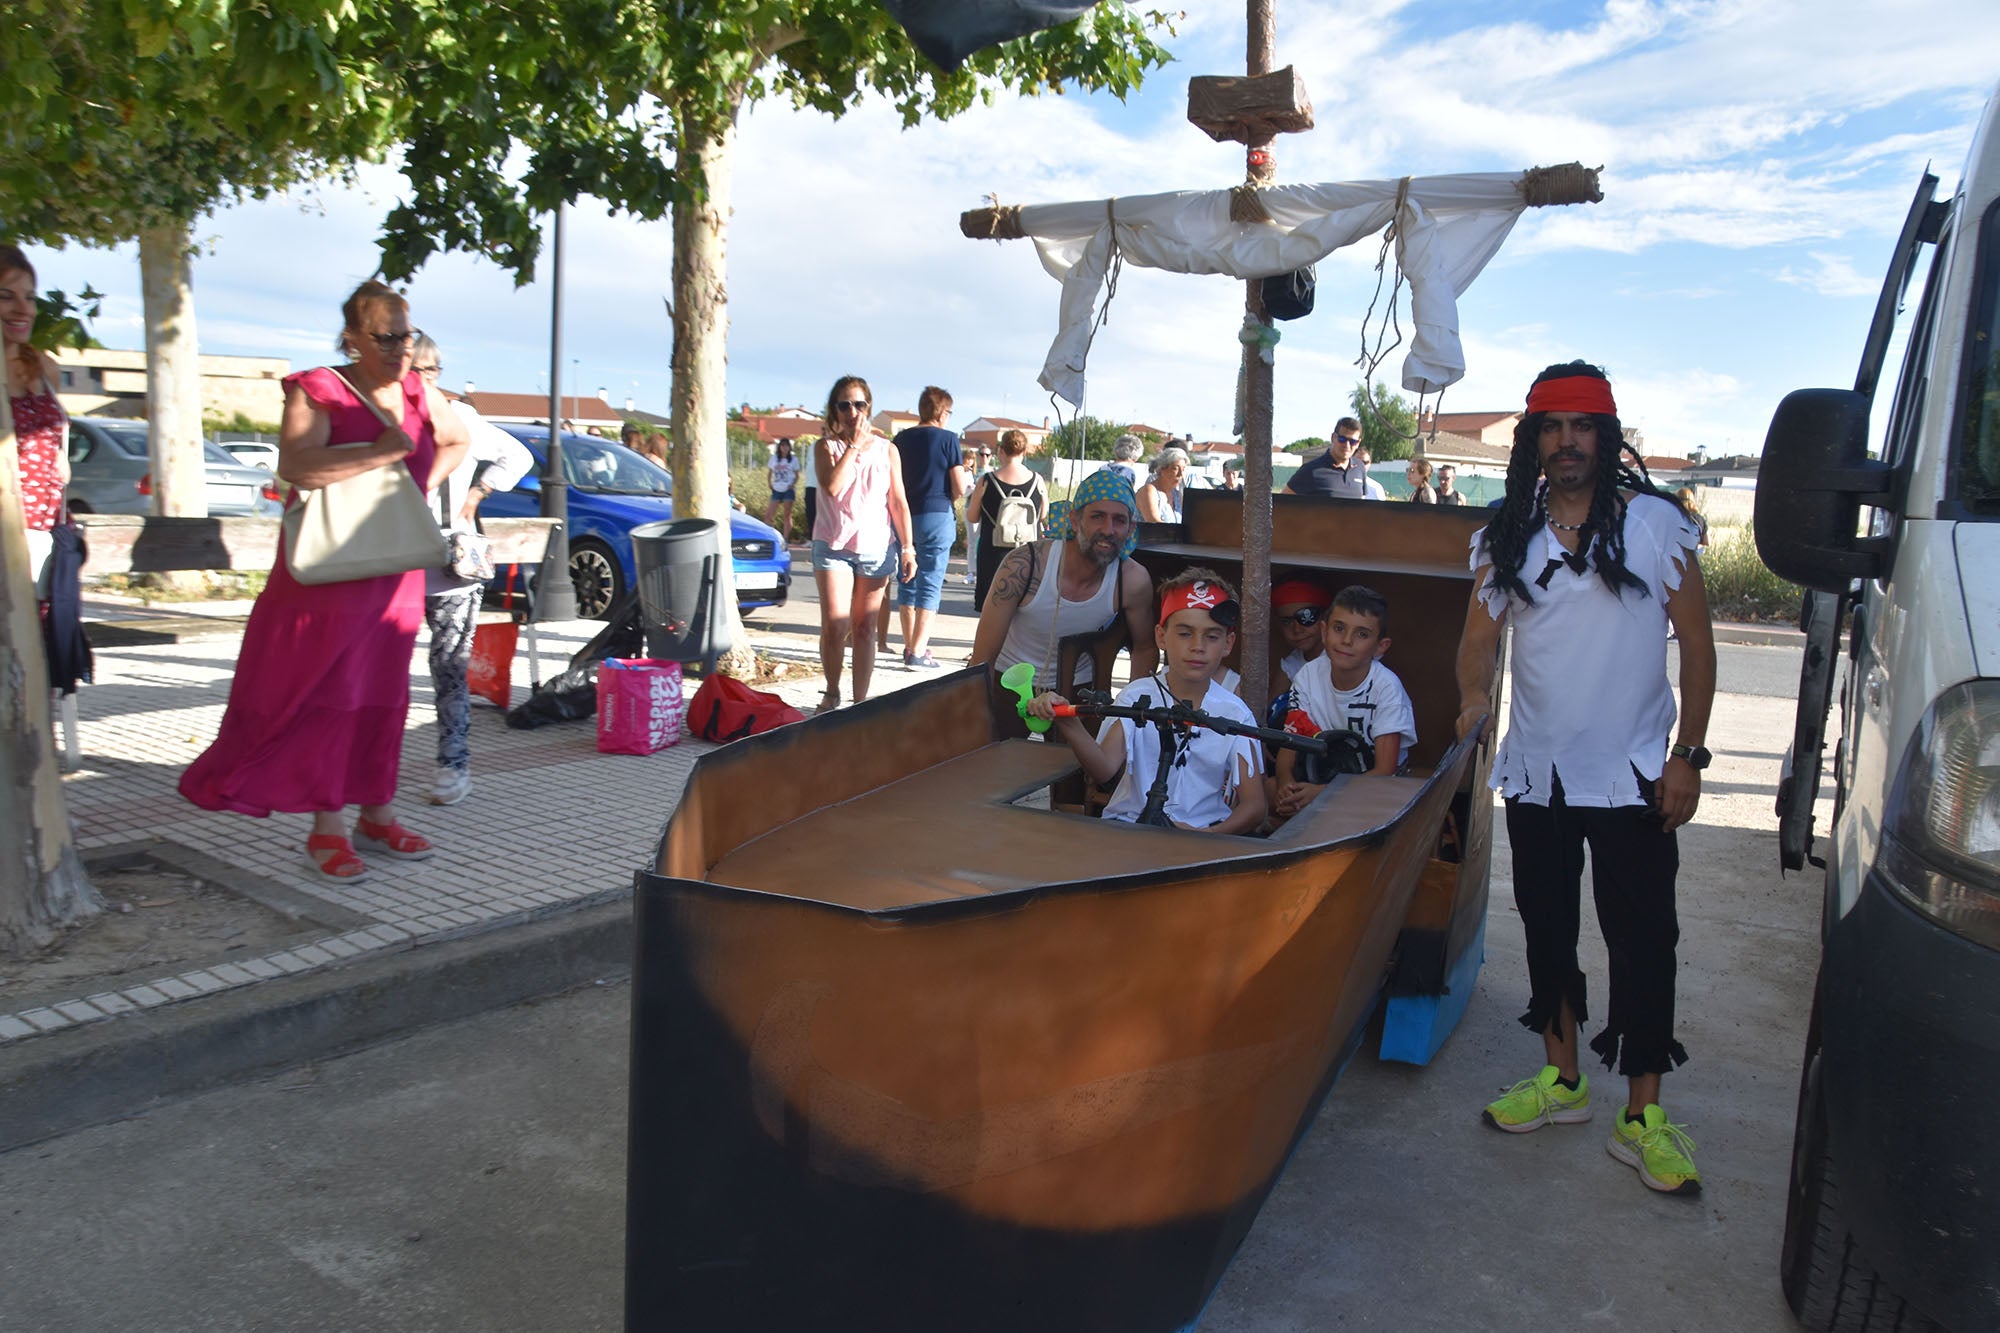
1834 276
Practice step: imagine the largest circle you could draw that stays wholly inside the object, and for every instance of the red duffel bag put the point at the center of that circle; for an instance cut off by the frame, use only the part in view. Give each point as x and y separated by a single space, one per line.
725 709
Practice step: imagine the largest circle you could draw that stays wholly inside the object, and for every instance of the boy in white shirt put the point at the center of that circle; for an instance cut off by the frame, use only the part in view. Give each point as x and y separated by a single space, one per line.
1346 688
1215 785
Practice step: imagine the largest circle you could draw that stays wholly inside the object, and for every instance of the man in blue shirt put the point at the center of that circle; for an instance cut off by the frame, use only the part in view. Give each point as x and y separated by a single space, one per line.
1338 472
934 480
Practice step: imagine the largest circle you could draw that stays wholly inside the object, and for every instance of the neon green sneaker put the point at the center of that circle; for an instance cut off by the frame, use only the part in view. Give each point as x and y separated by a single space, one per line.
1538 1101
1660 1152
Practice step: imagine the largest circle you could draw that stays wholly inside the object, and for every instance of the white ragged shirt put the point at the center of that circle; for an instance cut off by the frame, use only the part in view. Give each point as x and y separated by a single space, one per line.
1590 696
1201 786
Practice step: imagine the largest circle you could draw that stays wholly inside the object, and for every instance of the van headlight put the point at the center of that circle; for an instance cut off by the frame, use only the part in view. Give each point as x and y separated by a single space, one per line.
1942 853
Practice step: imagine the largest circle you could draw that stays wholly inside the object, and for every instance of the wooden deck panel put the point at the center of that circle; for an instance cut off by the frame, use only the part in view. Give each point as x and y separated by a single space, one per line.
948 832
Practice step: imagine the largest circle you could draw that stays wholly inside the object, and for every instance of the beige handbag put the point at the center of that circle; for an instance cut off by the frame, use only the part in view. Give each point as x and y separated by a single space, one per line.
368 525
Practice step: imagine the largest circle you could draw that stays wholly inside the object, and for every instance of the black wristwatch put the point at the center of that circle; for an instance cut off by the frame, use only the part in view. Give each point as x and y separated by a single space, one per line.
1697 756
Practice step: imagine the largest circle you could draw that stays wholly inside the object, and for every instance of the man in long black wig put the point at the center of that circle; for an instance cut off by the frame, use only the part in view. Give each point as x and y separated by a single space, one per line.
1593 565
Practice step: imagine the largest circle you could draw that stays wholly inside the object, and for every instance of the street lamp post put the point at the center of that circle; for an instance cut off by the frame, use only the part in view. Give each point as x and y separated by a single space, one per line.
556 596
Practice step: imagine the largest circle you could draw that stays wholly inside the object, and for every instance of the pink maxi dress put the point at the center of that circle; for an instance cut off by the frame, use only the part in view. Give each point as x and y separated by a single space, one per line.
322 685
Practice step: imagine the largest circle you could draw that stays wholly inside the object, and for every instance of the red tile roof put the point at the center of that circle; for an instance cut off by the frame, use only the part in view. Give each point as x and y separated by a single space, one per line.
588 411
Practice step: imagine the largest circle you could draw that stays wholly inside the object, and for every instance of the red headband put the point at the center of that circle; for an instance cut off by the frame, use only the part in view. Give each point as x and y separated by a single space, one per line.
1201 595
1573 393
1300 593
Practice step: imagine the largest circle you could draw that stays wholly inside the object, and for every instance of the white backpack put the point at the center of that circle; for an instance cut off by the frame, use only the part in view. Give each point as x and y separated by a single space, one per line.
1016 524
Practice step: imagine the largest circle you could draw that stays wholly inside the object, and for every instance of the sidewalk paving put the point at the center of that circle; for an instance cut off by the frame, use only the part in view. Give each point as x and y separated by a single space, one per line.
550 823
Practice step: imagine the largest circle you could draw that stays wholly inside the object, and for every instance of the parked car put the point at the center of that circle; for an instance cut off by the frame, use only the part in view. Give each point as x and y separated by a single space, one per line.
1893 1220
110 472
613 490
257 453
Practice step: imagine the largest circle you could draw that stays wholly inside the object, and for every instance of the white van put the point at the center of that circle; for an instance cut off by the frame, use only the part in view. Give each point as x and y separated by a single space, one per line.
1894 1216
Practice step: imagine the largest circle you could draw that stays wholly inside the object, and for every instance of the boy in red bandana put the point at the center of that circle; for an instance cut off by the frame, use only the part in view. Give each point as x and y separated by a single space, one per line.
1215 785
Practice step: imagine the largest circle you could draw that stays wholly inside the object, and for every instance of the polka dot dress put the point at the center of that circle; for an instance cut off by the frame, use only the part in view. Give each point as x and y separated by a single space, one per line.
38 426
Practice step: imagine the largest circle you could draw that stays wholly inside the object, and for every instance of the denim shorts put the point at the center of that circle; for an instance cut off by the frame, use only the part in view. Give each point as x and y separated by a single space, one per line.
880 567
932 533
782 497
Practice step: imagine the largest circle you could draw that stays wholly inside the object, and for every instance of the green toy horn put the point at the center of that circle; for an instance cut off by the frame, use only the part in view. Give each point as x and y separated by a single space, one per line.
1020 678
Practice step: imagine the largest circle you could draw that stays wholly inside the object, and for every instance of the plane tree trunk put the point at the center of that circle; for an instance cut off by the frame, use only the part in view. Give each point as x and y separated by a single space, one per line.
700 461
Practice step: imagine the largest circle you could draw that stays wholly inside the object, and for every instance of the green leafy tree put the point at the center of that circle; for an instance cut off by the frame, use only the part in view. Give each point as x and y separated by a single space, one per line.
1098 437
1388 422
688 82
1310 444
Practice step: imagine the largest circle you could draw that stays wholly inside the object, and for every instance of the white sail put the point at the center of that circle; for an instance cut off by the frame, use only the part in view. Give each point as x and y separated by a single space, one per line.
1447 228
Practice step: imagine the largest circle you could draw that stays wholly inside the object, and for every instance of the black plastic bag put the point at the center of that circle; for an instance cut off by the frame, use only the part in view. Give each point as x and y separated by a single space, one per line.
1290 295
570 697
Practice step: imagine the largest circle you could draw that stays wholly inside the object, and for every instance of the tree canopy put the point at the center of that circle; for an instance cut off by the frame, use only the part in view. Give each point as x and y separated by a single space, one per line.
601 108
1388 422
1098 437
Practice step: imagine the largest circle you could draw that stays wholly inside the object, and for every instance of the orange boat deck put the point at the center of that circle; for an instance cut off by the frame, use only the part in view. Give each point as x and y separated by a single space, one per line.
952 831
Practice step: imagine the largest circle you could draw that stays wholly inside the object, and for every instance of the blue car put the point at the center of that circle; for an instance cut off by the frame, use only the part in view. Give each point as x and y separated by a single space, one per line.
613 490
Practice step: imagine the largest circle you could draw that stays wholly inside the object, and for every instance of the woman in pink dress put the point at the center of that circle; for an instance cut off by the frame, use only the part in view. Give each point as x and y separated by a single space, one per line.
322 686
861 521
41 428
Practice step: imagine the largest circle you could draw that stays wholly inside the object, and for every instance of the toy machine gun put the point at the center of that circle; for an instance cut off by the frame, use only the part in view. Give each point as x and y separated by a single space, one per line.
1327 755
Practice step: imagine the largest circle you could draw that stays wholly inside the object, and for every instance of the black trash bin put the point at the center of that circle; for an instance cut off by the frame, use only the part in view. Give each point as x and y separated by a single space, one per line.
680 577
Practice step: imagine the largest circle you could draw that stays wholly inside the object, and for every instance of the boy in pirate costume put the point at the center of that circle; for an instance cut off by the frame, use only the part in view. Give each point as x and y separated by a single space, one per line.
1593 565
1216 783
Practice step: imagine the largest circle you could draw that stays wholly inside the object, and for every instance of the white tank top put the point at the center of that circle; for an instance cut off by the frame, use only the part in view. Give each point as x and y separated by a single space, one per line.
1048 618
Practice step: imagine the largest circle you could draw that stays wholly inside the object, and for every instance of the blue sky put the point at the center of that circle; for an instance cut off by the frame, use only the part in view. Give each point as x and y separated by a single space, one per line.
1758 158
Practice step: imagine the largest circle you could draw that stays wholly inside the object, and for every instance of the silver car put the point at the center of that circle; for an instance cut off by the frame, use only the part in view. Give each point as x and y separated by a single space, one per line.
110 472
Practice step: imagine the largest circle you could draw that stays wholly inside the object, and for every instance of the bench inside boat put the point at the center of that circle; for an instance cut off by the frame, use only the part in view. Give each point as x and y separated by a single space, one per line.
983 822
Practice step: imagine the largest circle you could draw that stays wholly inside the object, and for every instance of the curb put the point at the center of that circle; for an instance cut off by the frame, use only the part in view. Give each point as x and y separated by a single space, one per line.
1778 636
107 1071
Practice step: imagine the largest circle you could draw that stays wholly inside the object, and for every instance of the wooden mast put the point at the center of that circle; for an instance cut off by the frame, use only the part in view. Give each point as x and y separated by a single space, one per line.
1259 387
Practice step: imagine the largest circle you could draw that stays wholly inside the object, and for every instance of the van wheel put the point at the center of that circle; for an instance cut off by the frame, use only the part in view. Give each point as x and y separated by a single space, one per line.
1828 1284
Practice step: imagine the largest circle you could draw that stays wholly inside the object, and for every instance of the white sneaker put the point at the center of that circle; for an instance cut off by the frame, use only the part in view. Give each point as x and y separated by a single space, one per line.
451 786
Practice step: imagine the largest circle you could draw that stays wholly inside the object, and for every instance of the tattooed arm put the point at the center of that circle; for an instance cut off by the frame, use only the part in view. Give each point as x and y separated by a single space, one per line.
1012 587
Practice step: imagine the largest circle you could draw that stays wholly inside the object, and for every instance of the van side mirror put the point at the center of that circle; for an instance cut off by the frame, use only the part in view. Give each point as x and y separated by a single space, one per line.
1813 480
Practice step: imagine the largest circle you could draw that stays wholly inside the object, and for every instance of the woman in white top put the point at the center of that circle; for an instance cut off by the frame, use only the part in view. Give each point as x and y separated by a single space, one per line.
1159 499
784 478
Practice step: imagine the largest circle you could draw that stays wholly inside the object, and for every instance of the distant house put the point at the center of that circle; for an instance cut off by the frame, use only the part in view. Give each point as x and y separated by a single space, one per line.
586 414
783 423
1493 428
890 420
987 431
111 382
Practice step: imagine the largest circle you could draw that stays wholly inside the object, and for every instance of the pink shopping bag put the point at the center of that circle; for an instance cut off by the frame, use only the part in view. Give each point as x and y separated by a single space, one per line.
639 705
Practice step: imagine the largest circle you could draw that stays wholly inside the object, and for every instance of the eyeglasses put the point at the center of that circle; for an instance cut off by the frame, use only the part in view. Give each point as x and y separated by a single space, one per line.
852 405
1305 617
428 370
1348 439
395 342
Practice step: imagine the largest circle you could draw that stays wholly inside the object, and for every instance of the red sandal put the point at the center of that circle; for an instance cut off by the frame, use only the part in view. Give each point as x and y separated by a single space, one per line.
343 865
393 840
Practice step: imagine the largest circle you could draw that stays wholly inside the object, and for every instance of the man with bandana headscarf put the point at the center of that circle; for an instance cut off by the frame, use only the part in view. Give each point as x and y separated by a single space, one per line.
1076 583
1592 565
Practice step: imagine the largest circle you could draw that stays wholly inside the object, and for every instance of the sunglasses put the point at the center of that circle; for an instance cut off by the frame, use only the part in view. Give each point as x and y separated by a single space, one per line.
395 342
1348 439
852 405
1305 617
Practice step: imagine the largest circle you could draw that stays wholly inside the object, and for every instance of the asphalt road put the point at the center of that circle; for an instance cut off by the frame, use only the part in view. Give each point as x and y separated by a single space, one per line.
470 1177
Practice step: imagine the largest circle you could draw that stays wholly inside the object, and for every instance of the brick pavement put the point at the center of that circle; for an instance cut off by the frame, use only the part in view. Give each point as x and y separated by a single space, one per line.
550 820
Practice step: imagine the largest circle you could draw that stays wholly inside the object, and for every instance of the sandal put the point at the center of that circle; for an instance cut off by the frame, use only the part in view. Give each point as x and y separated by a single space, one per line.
922 659
343 865
828 701
393 840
